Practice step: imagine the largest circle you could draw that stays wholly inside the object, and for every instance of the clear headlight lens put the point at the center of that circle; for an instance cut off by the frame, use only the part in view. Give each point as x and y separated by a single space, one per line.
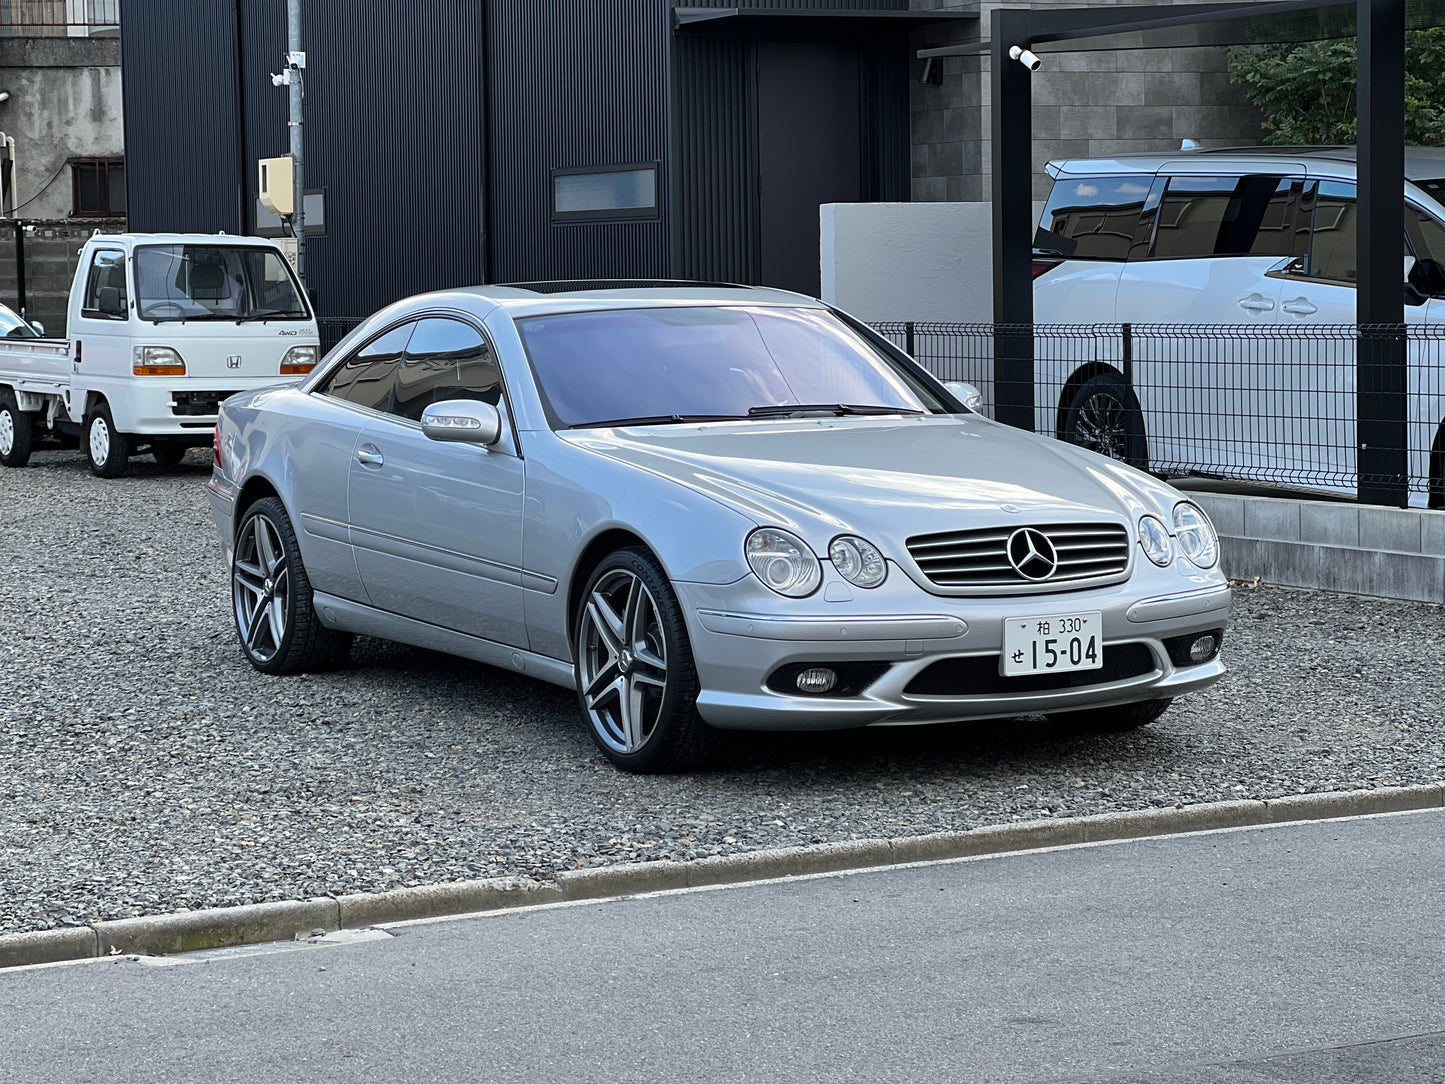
1154 537
858 561
298 361
783 562
157 361
1195 534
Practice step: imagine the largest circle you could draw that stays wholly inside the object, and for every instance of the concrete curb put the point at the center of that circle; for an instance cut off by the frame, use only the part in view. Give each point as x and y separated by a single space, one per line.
225 927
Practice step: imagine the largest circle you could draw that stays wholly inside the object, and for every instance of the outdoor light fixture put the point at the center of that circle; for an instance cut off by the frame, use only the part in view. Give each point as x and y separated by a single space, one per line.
932 73
1022 54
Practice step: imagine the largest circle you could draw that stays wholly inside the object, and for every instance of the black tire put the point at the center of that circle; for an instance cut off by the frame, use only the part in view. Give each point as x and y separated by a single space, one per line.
271 598
1104 417
107 451
17 432
636 679
1115 720
168 453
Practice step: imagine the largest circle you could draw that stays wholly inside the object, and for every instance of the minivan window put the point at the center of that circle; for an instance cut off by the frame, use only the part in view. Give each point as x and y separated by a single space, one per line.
1099 214
1426 233
1226 216
1333 254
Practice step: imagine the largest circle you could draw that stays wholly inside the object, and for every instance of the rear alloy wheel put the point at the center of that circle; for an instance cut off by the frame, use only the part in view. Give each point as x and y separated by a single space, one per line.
1115 720
636 679
17 432
272 598
106 449
1104 417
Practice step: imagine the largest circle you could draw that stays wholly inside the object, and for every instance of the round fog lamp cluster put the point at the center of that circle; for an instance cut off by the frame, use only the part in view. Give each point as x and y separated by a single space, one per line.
1203 648
858 561
818 679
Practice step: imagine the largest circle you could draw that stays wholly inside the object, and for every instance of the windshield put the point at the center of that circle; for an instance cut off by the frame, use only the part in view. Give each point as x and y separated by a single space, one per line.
215 282
12 327
682 364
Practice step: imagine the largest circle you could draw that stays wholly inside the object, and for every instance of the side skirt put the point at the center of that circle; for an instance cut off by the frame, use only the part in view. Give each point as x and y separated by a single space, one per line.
345 616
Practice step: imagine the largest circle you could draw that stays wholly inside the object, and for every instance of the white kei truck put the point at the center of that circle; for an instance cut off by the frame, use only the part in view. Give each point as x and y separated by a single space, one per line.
162 328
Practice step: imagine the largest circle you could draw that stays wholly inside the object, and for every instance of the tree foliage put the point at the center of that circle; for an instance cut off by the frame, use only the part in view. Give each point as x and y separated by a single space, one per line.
1307 89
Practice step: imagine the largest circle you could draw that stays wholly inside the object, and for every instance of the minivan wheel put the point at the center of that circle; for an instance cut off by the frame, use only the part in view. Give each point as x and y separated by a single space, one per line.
636 680
105 449
272 600
17 431
1116 720
1104 417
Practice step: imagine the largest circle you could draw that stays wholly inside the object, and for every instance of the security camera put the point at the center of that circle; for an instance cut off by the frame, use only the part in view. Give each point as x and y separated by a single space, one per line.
1028 59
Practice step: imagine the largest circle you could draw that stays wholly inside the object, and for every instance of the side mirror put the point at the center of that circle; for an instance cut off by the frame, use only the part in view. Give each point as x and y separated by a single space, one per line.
38 326
966 394
1426 276
110 301
462 421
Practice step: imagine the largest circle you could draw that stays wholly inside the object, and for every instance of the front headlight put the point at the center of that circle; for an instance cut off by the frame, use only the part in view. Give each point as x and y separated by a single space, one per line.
157 361
1154 537
784 562
1196 536
858 561
298 361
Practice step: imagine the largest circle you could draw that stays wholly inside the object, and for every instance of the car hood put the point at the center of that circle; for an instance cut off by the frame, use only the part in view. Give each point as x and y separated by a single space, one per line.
885 477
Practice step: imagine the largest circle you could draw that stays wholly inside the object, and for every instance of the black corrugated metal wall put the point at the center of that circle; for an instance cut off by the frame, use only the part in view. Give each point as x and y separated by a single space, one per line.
394 133
575 84
179 98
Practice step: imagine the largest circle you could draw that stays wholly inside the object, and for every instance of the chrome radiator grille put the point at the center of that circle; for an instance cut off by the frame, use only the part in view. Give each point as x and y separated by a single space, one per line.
981 558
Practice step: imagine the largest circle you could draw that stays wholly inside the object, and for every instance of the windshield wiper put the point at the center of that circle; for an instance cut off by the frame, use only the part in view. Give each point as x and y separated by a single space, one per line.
788 410
271 314
657 419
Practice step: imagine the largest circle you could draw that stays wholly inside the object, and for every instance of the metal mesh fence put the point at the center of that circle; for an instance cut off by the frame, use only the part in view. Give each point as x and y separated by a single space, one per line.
1278 404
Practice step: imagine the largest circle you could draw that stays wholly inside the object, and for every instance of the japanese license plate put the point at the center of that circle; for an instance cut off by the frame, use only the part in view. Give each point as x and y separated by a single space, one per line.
1053 644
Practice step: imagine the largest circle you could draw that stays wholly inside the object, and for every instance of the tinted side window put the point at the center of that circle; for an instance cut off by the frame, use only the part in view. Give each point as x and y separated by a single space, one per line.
446 359
107 268
1099 214
1333 252
1427 235
1225 216
367 376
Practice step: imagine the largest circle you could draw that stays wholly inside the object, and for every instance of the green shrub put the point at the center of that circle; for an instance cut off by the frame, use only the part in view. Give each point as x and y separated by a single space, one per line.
1307 89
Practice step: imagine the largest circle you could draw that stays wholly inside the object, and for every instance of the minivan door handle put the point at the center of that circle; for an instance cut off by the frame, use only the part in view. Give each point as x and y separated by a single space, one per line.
369 455
1256 303
1300 306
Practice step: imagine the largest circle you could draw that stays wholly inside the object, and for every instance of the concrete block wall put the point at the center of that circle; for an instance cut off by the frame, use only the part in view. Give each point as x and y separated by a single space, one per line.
1085 104
1334 546
52 251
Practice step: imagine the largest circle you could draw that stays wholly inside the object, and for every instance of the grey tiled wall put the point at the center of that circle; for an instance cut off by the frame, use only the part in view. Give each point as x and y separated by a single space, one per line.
1084 104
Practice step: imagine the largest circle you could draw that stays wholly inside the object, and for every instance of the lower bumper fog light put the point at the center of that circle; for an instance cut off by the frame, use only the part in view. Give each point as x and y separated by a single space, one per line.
817 680
1203 648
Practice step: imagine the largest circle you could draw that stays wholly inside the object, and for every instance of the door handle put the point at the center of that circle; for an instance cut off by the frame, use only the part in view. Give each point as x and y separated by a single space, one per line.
1256 303
369 455
1300 306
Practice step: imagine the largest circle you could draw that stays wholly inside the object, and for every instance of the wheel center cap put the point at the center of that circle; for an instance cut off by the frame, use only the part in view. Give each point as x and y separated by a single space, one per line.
625 661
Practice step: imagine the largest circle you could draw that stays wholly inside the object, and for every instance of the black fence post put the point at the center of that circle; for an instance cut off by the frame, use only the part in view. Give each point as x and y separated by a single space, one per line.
1012 191
1381 386
908 338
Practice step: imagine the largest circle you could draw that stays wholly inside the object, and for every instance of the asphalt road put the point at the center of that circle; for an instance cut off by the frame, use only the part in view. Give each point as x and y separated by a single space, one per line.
1300 953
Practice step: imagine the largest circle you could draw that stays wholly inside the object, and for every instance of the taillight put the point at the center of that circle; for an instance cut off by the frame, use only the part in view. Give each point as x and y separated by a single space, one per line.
216 447
1042 265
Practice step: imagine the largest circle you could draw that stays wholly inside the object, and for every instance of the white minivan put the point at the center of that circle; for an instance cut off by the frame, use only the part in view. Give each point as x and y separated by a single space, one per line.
1166 248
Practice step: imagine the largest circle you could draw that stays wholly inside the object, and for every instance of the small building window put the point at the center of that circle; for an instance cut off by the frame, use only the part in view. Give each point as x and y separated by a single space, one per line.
97 187
604 193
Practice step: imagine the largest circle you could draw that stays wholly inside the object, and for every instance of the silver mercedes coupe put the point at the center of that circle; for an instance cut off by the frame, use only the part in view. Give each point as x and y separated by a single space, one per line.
703 508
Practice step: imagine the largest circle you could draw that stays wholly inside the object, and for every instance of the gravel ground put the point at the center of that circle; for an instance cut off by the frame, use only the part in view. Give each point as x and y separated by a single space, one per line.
146 768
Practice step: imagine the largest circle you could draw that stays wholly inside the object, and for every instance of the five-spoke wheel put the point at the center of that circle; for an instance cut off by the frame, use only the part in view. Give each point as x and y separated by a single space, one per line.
635 674
272 599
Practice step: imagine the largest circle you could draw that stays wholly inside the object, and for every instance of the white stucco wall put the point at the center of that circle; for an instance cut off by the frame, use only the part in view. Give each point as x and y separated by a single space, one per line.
909 261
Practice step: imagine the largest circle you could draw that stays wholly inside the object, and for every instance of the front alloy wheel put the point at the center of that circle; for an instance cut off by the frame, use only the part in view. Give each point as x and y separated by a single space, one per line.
635 675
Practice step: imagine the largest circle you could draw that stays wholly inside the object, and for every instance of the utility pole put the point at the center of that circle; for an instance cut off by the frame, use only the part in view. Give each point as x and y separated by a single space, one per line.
291 79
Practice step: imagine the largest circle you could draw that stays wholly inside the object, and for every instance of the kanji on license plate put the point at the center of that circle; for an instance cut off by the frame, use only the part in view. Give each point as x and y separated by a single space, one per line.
1052 644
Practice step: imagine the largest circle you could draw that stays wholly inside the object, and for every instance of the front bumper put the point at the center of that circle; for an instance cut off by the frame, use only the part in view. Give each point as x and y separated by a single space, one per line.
738 643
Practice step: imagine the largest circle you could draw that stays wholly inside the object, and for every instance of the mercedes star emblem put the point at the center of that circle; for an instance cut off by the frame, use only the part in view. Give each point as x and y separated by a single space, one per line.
1032 554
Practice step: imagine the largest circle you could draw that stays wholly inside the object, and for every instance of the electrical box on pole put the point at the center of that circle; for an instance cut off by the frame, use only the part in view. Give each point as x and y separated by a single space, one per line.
276 185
